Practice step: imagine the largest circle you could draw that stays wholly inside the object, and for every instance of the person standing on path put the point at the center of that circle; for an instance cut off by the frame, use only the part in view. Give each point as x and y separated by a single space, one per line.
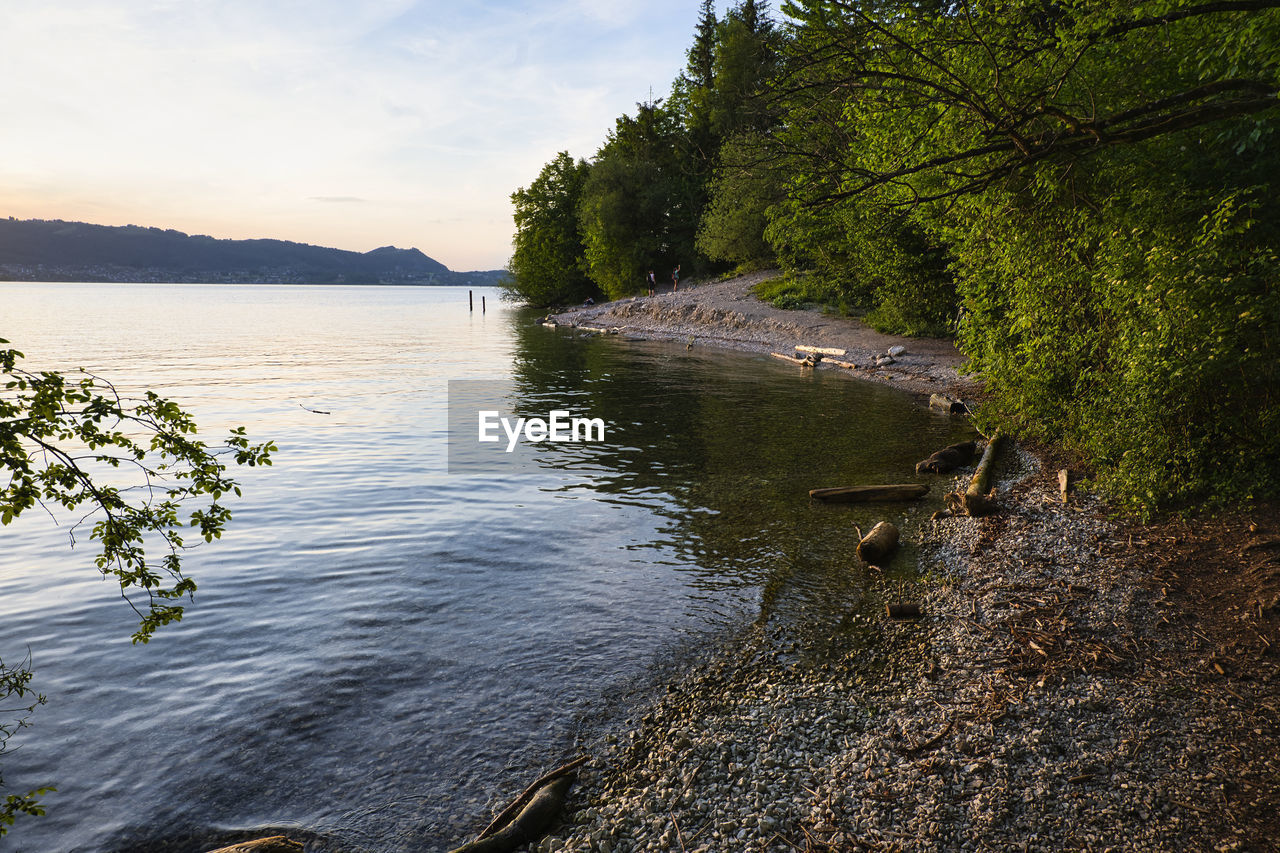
675 279
653 284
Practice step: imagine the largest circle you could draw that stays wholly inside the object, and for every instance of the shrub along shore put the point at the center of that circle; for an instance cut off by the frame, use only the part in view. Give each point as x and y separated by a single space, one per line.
1083 192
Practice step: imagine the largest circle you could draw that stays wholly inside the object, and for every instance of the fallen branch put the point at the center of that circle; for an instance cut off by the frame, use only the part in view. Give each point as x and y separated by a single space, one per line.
274 844
530 816
809 360
931 742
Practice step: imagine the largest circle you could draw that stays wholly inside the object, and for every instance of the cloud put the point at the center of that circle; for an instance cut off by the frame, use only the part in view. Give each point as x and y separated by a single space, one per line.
237 116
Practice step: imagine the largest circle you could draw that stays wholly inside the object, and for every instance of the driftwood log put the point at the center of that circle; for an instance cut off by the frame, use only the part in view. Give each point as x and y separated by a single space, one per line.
810 360
978 499
864 494
274 844
820 350
530 816
949 458
879 544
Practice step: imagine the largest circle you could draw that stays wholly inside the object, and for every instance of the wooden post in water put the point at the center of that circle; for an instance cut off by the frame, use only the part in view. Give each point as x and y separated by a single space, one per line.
481 304
471 301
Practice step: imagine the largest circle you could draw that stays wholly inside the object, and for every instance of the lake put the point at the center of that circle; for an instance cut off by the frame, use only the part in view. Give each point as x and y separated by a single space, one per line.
383 647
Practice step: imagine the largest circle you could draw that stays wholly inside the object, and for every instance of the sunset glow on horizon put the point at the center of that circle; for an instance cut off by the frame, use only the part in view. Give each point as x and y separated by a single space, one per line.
346 125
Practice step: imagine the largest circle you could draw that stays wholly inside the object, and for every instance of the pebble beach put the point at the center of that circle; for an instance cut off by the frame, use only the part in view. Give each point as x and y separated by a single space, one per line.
1055 694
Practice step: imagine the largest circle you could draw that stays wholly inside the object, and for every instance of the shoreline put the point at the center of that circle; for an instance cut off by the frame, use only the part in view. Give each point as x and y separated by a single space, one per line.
727 315
1076 682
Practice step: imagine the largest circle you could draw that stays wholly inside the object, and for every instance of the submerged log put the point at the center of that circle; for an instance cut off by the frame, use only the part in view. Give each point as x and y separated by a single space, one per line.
863 494
880 543
274 844
534 821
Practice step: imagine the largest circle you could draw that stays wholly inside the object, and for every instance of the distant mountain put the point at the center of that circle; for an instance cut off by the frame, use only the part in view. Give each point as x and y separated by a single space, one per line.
53 250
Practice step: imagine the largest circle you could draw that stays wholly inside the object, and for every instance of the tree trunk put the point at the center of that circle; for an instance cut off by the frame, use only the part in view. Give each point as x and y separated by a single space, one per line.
978 499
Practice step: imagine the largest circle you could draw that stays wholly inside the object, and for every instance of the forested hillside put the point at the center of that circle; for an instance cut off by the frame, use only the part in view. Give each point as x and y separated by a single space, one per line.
1083 192
53 250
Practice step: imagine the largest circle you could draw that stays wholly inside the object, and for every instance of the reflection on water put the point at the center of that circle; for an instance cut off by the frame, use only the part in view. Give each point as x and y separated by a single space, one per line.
379 648
724 448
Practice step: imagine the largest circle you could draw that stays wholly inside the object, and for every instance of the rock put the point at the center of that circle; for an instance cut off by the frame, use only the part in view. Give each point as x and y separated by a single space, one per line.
948 404
897 351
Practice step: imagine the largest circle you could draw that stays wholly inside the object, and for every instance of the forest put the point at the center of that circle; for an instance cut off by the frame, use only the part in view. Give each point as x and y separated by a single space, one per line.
1081 192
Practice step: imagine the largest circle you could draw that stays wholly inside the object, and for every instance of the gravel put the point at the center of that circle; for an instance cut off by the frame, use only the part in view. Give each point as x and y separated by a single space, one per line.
1051 697
1019 714
727 314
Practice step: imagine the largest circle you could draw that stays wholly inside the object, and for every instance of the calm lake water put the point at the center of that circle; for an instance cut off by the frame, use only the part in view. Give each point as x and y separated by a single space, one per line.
380 649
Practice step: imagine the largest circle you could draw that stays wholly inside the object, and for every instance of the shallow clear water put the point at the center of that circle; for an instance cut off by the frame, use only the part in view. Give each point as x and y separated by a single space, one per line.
379 648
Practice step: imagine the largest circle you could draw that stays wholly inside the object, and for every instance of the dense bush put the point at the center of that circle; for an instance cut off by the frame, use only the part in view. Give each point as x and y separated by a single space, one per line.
1085 191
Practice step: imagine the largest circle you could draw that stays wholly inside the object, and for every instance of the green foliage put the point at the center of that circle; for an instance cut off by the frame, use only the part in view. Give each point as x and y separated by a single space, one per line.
1194 403
132 469
63 440
640 203
741 193
1097 179
797 290
15 684
1090 184
547 266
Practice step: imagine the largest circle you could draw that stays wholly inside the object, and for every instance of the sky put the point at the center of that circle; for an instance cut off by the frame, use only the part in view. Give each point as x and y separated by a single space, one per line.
345 123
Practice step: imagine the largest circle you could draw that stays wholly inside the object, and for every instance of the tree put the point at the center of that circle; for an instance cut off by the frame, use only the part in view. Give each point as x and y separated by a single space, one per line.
746 60
548 265
742 190
131 469
696 88
963 99
1100 176
640 205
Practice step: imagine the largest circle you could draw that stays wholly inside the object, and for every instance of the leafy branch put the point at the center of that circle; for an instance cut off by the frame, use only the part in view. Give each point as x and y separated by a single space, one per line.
62 440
